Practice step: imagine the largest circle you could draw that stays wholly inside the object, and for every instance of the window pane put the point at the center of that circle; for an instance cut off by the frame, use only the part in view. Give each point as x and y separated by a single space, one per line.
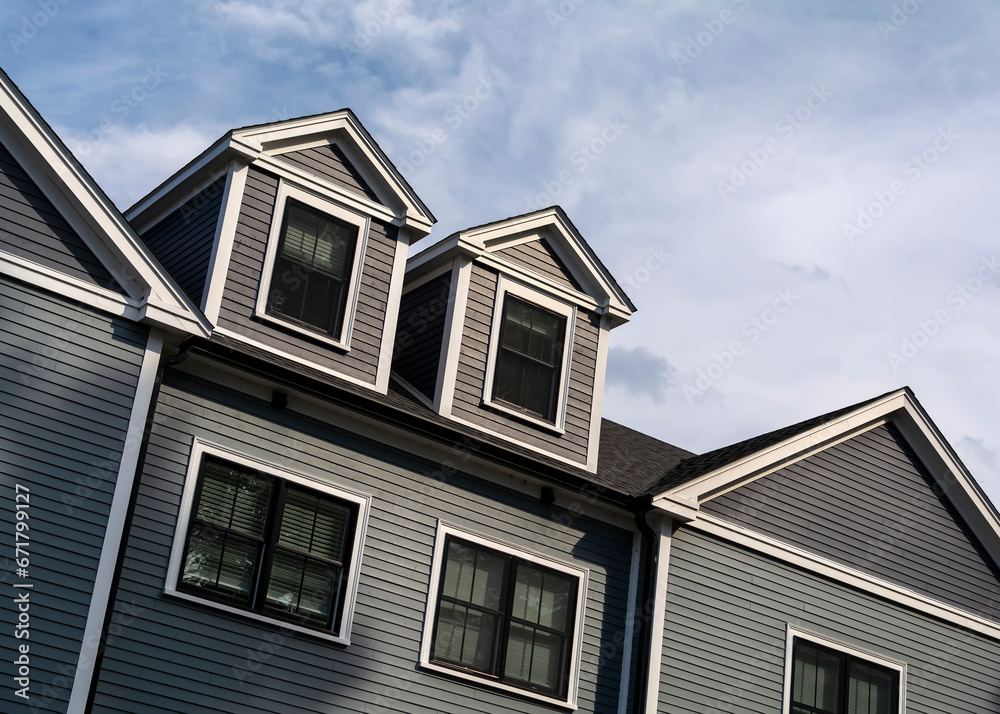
816 678
533 656
302 586
465 636
524 383
870 689
314 524
220 561
234 498
473 575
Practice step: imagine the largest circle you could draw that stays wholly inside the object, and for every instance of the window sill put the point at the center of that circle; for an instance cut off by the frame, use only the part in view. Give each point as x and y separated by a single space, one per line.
283 624
342 347
524 416
492 684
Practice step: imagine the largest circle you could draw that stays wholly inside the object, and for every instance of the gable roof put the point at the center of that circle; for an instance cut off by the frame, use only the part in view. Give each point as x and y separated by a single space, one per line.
682 490
551 224
150 295
263 145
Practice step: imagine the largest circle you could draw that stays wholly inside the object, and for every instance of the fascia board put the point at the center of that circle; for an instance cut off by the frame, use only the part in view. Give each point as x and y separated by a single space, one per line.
415 214
87 209
779 455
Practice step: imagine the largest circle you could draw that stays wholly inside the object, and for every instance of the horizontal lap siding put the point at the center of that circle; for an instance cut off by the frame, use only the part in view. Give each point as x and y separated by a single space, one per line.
32 228
243 281
724 640
67 381
420 332
329 163
179 656
867 503
472 373
538 256
183 240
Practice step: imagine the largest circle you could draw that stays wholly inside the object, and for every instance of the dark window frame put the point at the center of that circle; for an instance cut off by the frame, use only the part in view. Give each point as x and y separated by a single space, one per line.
504 618
846 659
551 412
335 330
263 567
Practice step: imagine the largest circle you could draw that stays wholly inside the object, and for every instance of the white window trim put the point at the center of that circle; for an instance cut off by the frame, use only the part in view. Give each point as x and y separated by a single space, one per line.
506 286
336 210
582 574
362 501
880 660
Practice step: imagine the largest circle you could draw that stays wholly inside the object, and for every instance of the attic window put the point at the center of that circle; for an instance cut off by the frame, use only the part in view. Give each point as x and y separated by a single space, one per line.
529 355
313 259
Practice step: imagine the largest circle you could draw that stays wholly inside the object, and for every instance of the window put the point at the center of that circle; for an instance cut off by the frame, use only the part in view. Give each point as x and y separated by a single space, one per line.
529 355
827 679
505 617
273 547
311 266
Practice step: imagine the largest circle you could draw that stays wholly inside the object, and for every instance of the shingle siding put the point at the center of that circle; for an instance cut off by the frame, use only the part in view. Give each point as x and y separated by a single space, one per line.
869 504
32 228
189 657
243 282
472 373
420 334
724 640
67 382
183 240
329 163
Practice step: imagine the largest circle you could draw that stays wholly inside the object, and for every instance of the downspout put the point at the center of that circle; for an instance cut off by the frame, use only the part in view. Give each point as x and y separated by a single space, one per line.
165 362
648 593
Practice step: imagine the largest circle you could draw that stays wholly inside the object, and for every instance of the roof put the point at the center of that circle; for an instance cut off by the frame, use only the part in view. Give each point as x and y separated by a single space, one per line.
629 459
695 466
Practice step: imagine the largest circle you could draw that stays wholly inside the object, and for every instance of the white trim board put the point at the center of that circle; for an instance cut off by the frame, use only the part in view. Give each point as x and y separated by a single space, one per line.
902 410
114 533
844 575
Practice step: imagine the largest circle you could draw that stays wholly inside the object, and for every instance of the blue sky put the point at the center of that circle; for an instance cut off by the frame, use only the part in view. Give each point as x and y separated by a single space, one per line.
799 197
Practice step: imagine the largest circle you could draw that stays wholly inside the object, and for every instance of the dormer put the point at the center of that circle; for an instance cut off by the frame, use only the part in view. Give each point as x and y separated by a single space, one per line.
292 237
504 327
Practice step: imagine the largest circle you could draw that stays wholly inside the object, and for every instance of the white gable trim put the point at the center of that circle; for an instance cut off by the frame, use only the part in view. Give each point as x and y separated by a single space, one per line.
225 236
91 214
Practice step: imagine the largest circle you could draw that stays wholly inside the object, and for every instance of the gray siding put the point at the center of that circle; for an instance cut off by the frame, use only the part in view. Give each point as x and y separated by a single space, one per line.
243 281
32 228
67 381
329 163
472 373
420 333
868 503
724 639
182 241
539 257
184 657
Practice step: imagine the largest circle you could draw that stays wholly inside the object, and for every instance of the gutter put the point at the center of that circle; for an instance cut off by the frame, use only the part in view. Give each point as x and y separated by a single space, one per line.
645 633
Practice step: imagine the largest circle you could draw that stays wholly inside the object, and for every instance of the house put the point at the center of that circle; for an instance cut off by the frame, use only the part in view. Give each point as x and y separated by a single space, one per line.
345 478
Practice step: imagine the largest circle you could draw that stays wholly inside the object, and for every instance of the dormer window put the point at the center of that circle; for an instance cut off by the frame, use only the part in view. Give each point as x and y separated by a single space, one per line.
529 360
311 273
529 355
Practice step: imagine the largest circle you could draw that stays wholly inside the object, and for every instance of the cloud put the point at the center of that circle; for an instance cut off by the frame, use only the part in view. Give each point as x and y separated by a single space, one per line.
639 372
981 460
